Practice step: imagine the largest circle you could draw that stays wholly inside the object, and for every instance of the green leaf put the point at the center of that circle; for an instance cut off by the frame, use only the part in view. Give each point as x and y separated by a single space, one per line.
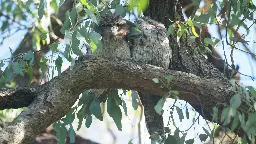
215 114
187 113
250 124
81 114
54 5
141 5
159 106
61 1
75 44
114 112
203 18
135 100
224 114
67 54
180 113
235 123
43 65
190 141
203 137
84 32
235 20
8 73
17 69
95 41
30 73
119 10
130 142
244 140
58 64
66 24
41 9
95 109
155 80
61 132
30 57
92 16
114 94
72 134
89 6
1 63
190 23
69 118
169 79
171 140
54 47
171 30
235 101
43 36
86 98
212 41
73 17
5 25
252 90
207 132
88 121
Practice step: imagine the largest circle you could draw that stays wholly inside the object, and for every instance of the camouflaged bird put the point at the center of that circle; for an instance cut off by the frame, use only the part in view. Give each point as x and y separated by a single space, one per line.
149 46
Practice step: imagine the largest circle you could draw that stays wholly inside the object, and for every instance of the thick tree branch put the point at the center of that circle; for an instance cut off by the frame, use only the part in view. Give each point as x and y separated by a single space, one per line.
55 98
11 98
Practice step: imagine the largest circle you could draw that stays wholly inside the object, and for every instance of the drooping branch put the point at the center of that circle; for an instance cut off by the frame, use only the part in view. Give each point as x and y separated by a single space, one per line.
54 99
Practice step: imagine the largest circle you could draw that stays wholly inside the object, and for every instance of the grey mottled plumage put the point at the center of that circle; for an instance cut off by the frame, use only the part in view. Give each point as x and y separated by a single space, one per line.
113 29
151 46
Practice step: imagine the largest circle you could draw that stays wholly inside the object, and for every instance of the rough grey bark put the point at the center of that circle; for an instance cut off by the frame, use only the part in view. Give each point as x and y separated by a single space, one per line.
55 98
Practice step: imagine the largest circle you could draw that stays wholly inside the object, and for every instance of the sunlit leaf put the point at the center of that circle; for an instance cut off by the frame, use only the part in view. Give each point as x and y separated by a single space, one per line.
194 31
141 5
